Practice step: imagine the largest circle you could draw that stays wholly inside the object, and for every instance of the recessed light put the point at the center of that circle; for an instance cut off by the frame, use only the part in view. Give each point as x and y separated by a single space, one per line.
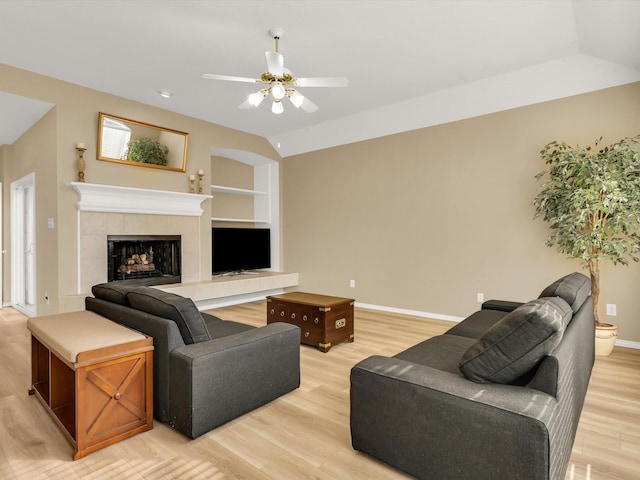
165 93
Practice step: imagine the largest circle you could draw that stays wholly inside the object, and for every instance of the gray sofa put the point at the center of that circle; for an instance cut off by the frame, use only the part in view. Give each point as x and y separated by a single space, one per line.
206 371
498 396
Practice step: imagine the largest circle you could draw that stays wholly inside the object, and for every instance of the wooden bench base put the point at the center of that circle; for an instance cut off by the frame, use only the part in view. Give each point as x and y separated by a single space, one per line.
105 394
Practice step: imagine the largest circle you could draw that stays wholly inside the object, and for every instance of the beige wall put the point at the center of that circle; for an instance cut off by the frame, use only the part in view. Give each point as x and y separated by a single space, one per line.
425 220
422 220
35 152
75 119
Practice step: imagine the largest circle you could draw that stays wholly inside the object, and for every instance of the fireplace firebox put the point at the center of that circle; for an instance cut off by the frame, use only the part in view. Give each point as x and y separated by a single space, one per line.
144 259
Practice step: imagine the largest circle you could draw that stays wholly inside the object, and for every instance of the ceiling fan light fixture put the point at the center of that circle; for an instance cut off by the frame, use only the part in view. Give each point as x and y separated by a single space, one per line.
255 99
278 82
296 98
277 107
278 91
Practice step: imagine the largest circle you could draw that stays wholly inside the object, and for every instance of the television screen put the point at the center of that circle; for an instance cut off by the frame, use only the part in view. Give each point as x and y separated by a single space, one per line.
237 249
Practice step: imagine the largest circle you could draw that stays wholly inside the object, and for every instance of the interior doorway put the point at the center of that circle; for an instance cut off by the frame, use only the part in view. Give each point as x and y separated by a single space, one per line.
23 245
2 250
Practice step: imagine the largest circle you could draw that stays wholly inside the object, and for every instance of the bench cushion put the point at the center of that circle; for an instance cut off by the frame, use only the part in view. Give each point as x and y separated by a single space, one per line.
515 344
174 307
74 333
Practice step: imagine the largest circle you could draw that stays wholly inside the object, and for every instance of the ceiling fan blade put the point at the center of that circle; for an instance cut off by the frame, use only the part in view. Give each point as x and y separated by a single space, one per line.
229 78
322 82
246 104
308 106
275 63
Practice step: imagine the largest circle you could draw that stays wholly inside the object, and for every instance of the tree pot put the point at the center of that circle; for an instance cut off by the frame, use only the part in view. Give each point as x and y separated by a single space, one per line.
606 335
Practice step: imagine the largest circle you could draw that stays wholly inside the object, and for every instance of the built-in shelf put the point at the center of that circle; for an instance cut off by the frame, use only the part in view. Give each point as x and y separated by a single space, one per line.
263 192
261 203
239 191
238 220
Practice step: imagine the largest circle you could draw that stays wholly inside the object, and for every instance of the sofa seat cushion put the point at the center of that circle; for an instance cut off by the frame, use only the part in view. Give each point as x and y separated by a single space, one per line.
516 344
475 325
573 289
443 352
219 328
112 292
174 307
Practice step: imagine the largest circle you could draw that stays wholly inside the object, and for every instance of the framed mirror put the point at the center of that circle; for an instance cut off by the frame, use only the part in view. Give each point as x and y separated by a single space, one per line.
131 142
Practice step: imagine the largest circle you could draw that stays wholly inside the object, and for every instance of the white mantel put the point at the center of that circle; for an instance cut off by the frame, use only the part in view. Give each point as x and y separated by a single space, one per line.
116 199
105 210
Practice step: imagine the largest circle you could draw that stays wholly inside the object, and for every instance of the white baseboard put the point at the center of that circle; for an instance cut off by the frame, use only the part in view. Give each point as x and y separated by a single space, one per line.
450 318
415 313
628 344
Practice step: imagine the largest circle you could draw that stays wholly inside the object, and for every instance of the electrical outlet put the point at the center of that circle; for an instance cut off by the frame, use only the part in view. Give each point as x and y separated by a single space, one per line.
352 283
611 309
480 297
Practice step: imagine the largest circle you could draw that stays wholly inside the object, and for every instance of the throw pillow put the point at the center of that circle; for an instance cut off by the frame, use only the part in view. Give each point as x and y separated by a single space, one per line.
573 289
112 292
516 343
174 307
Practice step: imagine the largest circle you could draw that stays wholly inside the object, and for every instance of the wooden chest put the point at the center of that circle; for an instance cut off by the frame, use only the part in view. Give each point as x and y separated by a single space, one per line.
324 320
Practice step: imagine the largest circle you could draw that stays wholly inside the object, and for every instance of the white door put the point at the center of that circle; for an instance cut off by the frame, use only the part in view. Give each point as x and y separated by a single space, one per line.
2 250
23 245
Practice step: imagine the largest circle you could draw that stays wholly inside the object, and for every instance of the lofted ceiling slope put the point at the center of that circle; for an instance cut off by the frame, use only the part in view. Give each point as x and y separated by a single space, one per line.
410 64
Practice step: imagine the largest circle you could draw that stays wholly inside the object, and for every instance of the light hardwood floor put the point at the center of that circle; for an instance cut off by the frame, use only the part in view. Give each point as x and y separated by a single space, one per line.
304 434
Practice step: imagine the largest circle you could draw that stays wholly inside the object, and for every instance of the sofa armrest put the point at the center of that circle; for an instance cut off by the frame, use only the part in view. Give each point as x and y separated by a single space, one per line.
501 305
218 380
435 424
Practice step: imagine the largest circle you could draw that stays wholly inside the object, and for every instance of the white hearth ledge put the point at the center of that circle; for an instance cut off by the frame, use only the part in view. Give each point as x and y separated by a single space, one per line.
111 198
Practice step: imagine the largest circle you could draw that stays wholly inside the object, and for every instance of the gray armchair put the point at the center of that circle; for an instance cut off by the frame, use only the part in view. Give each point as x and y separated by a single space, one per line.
207 371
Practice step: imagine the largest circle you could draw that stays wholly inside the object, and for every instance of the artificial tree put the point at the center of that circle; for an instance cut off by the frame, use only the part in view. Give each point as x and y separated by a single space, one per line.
591 199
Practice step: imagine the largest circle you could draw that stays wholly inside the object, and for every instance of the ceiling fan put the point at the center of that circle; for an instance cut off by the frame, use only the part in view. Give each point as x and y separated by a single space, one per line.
279 82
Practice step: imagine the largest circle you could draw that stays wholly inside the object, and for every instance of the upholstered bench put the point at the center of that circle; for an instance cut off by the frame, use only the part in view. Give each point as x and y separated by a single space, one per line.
94 376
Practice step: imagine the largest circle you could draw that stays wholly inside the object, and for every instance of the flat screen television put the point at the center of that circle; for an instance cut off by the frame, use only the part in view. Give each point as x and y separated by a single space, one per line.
238 249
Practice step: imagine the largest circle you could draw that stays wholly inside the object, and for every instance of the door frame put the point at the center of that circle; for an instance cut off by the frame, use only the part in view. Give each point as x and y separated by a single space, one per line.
23 284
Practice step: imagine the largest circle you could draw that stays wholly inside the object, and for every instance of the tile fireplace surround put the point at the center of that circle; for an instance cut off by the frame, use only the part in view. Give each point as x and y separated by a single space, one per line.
109 210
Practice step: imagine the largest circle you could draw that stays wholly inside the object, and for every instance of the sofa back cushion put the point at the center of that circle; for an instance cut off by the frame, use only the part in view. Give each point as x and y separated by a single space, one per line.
573 289
174 307
517 342
112 292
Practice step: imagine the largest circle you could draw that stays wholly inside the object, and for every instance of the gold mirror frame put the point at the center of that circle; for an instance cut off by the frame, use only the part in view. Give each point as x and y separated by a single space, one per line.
115 134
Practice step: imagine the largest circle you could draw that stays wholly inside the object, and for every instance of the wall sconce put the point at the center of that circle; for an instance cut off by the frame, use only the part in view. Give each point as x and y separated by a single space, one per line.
81 147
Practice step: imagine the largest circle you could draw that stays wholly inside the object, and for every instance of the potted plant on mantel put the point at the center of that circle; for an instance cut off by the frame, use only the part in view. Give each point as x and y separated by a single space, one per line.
591 199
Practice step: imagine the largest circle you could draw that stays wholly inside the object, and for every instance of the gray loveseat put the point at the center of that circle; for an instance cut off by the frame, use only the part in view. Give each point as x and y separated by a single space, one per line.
498 396
206 371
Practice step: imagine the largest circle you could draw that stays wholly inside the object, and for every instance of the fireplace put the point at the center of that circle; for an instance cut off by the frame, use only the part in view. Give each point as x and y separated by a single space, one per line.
144 259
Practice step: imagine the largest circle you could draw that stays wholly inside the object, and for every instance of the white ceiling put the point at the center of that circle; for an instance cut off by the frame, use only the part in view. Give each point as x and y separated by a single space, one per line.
410 63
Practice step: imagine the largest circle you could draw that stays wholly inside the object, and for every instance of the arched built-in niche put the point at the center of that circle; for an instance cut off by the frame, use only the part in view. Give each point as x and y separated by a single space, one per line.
265 192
